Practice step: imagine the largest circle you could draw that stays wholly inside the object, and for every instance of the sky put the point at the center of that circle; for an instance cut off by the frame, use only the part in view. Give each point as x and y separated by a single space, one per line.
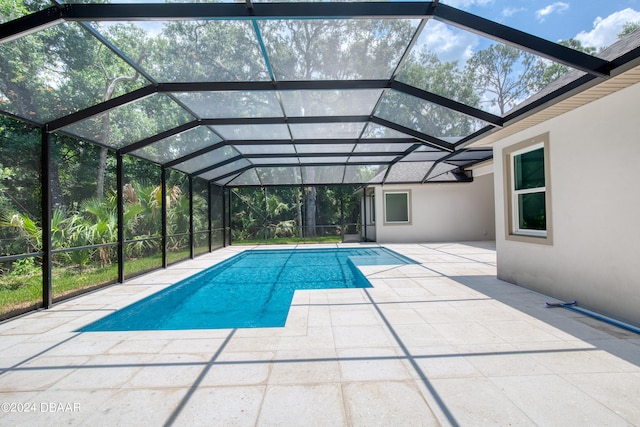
593 22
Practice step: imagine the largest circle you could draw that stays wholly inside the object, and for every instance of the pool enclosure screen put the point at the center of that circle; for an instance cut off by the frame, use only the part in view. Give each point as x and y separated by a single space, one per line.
171 105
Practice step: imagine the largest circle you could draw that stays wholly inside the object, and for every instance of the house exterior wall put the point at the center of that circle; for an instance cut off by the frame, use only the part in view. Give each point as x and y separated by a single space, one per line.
441 212
594 164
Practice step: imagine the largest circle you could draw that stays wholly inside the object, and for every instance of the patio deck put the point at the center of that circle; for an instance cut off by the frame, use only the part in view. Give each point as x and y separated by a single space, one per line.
440 343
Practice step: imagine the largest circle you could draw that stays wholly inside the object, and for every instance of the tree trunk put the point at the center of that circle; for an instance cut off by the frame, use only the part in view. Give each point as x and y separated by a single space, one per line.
102 167
265 223
56 188
108 94
299 212
311 211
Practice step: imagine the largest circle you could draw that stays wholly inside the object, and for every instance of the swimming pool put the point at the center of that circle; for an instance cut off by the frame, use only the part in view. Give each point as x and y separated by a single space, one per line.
250 290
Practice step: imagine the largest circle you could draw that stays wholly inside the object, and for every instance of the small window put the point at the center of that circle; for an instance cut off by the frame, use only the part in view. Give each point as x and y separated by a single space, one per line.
396 207
527 191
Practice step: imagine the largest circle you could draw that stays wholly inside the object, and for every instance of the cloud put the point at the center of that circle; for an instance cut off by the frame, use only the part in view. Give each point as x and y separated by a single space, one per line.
510 11
605 30
448 43
557 7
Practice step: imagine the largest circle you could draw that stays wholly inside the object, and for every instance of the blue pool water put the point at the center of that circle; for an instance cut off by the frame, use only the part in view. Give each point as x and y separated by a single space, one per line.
250 290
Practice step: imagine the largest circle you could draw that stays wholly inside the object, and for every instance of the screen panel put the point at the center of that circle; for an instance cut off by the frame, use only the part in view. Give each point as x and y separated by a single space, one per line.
336 49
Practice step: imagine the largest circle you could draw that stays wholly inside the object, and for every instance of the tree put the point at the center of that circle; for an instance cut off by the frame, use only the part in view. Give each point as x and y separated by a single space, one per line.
311 194
113 82
20 173
628 28
60 70
556 70
298 199
505 75
12 9
424 70
115 76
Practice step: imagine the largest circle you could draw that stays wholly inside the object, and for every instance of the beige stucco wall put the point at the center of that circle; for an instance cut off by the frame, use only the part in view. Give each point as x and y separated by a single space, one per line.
595 198
441 212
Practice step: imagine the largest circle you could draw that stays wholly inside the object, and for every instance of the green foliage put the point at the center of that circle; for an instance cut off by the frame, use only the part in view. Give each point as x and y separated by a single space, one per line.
24 267
92 222
19 181
12 9
272 213
79 258
554 71
27 228
446 79
57 71
628 28
96 223
576 44
506 74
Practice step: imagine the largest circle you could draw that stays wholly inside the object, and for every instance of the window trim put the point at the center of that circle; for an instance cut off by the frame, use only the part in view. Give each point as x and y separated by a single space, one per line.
512 231
409 216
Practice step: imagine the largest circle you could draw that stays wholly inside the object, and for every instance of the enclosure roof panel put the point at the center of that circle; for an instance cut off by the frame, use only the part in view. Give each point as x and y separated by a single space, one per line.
132 122
206 159
179 145
230 104
300 103
39 86
294 93
312 49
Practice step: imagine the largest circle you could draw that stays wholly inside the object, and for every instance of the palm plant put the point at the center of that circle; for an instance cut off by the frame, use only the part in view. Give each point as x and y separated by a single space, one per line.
101 225
59 229
27 228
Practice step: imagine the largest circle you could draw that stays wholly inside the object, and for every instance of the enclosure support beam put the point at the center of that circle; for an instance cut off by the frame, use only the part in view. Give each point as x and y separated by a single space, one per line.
342 230
209 218
47 290
101 108
159 137
433 166
448 103
163 204
30 24
223 211
226 216
427 139
120 207
191 235
364 213
229 210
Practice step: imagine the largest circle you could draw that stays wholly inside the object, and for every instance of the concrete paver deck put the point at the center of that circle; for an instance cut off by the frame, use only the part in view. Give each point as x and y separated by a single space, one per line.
440 343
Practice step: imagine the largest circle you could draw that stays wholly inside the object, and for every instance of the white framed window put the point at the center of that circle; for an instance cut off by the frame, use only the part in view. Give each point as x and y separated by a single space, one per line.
397 207
527 195
528 191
